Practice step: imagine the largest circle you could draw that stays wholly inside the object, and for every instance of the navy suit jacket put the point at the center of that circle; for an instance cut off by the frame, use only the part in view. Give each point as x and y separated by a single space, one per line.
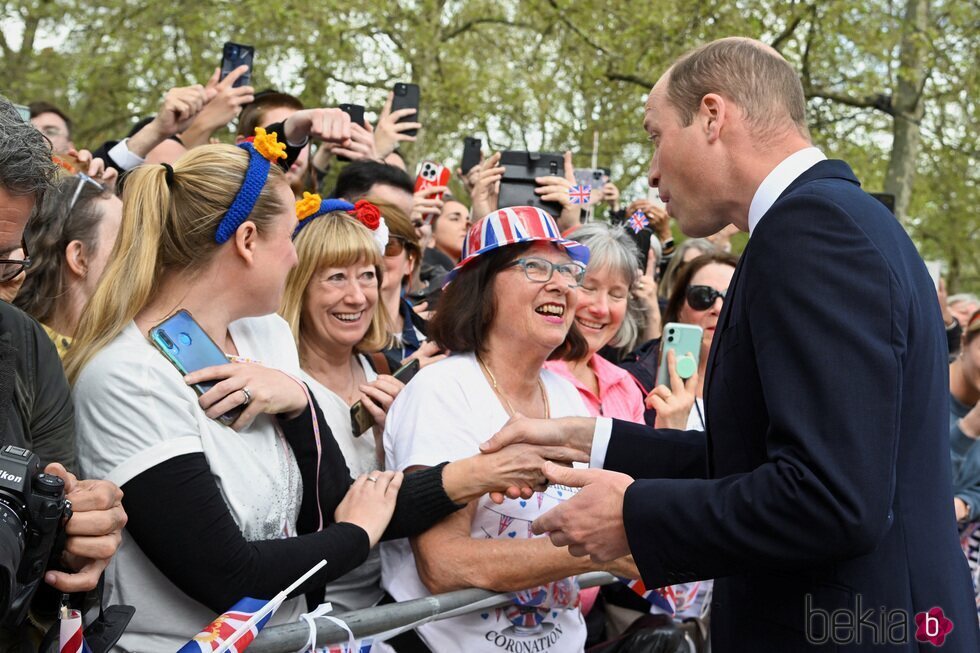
823 479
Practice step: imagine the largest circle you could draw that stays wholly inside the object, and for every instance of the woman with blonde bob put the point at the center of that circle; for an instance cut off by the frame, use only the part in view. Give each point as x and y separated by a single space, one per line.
252 506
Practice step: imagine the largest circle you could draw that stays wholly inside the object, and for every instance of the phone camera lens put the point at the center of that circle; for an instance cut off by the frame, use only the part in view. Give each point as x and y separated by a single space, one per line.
165 339
670 338
399 89
553 166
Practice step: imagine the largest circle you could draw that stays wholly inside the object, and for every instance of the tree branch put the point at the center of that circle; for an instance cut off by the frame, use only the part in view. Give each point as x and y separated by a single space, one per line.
632 79
577 31
470 24
880 101
783 36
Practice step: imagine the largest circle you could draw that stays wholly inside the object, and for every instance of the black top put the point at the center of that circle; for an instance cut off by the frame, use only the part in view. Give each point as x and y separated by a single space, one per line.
221 568
40 415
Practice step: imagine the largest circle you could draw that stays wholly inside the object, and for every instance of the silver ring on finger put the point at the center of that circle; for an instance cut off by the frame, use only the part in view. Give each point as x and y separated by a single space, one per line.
248 397
373 479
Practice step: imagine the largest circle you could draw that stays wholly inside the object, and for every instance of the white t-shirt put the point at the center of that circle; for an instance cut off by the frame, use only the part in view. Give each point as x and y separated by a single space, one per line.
134 411
360 587
447 410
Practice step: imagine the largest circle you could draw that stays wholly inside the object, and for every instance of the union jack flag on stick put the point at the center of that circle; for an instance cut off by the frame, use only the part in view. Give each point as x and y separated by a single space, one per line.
235 629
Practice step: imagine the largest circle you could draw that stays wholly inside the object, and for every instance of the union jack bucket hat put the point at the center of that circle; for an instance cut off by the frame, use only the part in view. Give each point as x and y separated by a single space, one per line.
515 224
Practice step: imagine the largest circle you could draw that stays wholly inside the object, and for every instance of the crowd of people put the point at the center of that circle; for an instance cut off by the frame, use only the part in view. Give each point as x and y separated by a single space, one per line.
312 442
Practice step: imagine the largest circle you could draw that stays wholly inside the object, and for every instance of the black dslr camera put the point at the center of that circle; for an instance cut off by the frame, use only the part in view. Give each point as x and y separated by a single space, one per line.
33 510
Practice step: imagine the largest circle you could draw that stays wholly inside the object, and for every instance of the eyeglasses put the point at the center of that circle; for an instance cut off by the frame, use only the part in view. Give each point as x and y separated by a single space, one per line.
395 246
82 180
11 267
540 270
701 298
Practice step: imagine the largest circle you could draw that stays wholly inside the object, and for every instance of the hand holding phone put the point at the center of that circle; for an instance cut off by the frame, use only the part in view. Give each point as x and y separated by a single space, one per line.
406 96
685 341
189 348
361 418
431 174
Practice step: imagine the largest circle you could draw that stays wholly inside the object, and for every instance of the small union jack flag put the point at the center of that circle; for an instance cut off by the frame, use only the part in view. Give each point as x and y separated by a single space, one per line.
663 598
226 625
580 194
638 220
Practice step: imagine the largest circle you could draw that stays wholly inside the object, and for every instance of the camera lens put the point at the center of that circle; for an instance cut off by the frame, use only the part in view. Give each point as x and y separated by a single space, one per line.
165 339
11 548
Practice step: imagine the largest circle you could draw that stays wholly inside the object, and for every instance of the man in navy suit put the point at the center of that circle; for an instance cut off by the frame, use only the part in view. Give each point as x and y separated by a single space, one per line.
819 496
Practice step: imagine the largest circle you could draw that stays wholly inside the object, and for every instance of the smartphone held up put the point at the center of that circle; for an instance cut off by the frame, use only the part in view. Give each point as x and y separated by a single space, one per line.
234 55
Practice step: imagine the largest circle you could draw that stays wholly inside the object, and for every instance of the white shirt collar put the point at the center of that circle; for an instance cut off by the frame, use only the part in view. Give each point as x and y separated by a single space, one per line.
779 180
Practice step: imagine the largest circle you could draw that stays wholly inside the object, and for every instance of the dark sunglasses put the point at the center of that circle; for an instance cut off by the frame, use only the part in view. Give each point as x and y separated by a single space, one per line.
395 246
701 298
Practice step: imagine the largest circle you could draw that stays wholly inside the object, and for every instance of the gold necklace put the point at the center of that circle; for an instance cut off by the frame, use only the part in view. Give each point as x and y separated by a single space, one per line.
510 407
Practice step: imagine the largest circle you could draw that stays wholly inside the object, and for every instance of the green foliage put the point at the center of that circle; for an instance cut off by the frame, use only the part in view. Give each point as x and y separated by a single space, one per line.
533 74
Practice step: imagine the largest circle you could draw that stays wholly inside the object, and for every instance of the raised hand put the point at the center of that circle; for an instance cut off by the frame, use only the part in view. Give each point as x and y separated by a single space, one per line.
389 132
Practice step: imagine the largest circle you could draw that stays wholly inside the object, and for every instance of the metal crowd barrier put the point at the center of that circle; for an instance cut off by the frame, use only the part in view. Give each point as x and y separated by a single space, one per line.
288 638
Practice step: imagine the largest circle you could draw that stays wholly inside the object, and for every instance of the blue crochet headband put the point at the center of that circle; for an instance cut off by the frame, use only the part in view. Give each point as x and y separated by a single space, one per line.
312 207
263 150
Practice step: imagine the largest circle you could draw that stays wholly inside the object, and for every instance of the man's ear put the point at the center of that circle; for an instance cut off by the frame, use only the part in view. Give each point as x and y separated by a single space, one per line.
76 259
246 241
713 113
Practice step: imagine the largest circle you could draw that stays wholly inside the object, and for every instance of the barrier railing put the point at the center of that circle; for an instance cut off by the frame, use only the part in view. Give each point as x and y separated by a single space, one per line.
288 638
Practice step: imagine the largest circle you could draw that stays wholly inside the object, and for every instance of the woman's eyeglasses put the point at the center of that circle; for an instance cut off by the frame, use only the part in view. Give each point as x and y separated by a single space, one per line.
11 267
540 270
701 298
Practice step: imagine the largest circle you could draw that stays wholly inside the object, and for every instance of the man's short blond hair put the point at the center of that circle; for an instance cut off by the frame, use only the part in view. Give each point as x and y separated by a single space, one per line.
754 76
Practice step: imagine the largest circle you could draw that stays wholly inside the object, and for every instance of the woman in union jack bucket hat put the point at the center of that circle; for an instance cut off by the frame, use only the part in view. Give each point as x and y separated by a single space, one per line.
508 308
516 224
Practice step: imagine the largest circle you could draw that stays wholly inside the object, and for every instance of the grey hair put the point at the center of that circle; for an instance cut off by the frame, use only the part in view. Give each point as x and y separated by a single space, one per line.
26 167
703 245
612 248
968 297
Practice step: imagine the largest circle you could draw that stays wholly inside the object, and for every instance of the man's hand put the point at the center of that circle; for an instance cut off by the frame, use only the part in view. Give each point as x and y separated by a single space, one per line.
224 107
486 186
180 106
610 195
573 432
425 203
390 132
361 147
326 125
94 531
591 522
558 189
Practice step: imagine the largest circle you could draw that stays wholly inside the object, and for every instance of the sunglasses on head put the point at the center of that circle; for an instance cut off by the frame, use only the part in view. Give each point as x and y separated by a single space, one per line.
701 298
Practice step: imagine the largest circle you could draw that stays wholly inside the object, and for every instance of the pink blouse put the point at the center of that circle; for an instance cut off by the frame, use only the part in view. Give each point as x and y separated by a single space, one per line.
619 395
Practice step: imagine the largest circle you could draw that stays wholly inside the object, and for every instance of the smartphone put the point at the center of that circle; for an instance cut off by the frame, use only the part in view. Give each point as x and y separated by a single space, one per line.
431 174
185 344
360 418
407 97
685 341
520 170
589 177
355 111
234 55
471 154
24 112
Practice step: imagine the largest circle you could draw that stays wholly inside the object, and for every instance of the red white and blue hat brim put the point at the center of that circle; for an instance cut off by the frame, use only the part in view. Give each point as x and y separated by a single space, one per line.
494 234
